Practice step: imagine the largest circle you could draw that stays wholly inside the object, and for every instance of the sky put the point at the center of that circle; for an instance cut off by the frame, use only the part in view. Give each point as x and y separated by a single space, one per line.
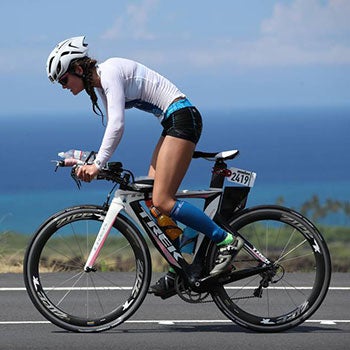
223 54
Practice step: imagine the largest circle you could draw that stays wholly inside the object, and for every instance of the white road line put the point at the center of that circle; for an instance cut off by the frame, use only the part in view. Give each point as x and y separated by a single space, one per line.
20 289
172 322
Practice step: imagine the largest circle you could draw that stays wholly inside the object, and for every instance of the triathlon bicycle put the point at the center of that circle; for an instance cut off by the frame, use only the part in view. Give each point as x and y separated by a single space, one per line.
88 268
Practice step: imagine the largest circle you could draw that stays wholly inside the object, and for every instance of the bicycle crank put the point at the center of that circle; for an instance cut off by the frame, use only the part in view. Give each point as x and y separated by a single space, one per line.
186 293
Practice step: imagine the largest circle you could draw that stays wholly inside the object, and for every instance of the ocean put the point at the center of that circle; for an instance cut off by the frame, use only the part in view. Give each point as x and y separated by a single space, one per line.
297 153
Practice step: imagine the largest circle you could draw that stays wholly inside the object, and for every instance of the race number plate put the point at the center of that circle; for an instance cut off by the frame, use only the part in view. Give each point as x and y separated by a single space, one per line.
242 177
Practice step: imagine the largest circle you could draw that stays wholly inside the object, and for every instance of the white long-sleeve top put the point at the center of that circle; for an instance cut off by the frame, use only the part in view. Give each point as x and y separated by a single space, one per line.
126 84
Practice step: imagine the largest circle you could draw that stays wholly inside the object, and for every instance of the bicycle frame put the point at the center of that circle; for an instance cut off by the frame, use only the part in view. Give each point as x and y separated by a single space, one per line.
220 203
130 202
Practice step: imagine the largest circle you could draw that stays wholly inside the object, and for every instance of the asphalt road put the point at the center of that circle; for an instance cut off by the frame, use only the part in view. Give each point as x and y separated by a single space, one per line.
172 324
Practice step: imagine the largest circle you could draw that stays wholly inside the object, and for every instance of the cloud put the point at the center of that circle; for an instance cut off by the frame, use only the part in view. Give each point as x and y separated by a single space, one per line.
306 21
303 32
133 22
298 33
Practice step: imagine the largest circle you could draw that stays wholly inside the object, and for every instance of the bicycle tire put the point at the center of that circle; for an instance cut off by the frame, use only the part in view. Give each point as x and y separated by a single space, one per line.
81 301
302 279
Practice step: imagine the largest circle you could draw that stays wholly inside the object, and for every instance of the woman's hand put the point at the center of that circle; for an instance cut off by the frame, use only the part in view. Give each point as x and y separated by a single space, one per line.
87 172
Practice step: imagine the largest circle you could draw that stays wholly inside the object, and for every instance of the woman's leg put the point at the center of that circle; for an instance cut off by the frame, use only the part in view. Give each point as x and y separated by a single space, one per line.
170 161
152 168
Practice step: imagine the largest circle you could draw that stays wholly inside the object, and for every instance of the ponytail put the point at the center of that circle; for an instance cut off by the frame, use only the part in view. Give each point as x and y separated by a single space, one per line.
88 65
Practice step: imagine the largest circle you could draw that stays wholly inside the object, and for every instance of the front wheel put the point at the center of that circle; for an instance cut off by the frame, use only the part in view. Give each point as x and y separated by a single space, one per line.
86 301
295 285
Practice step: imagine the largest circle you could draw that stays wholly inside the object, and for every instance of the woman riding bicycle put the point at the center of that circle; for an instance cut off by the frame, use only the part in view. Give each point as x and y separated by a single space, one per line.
121 84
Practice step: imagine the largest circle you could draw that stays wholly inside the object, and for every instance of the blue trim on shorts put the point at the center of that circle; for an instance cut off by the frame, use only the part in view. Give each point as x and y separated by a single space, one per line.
176 106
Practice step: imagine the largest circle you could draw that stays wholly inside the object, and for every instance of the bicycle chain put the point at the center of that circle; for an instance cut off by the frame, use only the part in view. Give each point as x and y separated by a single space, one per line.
202 301
181 291
237 298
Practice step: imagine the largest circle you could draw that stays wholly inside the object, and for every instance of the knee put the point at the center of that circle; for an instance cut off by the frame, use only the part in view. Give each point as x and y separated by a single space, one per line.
165 206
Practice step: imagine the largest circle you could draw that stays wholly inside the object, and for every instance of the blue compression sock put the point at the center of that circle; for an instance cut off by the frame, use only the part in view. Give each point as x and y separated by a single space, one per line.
193 217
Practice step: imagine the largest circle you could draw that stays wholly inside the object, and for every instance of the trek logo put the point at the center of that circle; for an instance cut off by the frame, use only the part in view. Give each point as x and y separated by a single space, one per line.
161 239
261 256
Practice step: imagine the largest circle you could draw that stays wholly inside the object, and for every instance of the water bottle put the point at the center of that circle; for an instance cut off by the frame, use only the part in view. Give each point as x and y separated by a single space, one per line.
166 223
76 154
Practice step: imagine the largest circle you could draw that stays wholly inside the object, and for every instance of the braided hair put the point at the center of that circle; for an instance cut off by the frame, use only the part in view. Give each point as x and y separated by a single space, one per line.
88 65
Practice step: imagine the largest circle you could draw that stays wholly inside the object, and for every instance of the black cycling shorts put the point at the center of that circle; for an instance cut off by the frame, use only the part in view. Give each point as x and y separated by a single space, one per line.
185 123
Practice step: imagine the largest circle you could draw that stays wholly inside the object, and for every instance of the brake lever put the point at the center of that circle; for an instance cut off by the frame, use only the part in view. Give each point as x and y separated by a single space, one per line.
75 178
62 163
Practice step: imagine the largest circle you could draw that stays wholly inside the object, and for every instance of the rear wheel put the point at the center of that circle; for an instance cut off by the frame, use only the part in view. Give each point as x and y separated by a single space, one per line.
295 285
86 301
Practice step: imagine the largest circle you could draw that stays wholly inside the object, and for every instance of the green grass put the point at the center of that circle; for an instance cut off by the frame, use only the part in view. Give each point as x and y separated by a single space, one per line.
13 246
338 241
12 249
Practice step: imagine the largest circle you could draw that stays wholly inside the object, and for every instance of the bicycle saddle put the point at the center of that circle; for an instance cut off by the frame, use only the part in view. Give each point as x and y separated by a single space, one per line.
216 155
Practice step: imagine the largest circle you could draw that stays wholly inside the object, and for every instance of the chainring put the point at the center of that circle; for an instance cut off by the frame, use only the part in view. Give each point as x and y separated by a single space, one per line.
186 294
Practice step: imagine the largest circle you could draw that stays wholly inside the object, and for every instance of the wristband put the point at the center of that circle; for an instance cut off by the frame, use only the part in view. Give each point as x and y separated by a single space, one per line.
97 164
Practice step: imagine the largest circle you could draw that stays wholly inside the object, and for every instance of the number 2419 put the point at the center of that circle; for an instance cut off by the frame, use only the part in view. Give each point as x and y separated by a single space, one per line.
241 178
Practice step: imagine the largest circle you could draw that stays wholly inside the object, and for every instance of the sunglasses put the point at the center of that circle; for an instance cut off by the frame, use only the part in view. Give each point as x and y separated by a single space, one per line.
64 79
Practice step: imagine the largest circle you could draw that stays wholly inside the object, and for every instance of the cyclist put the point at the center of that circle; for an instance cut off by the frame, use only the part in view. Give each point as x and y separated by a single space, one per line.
121 84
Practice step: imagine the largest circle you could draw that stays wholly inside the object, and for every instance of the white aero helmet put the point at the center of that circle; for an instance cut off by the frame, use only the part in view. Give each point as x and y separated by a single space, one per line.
63 54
